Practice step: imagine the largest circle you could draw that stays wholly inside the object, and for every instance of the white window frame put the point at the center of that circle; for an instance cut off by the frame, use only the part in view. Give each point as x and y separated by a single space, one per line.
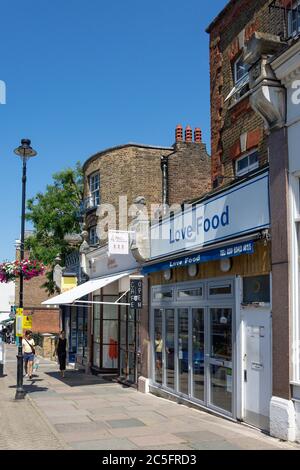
249 168
94 190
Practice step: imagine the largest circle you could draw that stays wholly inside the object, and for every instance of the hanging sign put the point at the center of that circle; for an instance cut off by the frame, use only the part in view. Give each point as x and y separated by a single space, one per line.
118 242
136 293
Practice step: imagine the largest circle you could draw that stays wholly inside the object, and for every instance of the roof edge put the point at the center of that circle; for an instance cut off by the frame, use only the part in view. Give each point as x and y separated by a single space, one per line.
219 16
129 144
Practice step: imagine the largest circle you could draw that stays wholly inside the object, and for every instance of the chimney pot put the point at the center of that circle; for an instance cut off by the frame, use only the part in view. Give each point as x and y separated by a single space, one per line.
198 135
188 134
179 133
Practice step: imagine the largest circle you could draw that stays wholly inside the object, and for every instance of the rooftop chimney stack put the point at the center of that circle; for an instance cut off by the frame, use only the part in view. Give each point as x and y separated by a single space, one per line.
198 135
188 134
179 133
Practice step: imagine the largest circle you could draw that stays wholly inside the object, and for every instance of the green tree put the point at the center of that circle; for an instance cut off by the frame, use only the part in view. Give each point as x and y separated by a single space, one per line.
54 214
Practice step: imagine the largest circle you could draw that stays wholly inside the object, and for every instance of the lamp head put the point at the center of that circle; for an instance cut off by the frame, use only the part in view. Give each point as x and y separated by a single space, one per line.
25 150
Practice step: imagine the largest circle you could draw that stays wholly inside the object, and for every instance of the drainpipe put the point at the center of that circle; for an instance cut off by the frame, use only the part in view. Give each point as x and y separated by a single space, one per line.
165 184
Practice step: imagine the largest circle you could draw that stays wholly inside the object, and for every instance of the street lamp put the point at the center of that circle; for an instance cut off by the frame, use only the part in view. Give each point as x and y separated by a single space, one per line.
24 151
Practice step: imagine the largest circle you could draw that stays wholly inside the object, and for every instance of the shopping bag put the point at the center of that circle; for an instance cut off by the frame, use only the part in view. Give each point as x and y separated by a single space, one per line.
36 364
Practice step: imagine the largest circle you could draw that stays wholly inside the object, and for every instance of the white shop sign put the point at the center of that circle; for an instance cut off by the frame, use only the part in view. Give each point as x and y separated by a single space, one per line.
118 242
238 211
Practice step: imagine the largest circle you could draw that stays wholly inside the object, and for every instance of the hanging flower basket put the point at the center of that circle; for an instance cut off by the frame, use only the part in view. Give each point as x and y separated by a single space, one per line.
10 271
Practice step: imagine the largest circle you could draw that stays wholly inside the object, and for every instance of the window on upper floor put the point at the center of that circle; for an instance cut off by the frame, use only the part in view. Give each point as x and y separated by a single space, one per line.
240 78
247 163
94 186
294 18
241 70
93 237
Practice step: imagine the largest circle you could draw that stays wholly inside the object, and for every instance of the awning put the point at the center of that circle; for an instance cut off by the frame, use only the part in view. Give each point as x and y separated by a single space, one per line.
70 296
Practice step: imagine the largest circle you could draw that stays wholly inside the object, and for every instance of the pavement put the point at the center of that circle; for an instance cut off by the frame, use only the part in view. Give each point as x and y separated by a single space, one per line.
92 413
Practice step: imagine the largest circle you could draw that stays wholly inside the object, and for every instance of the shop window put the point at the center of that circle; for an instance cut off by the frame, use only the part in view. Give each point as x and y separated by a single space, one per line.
165 295
256 289
196 293
224 289
247 163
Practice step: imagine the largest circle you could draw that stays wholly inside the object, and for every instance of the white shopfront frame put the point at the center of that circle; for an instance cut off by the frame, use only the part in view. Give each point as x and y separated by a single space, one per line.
294 181
206 303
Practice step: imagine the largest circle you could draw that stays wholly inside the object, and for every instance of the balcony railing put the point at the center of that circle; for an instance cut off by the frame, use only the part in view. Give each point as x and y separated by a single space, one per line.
285 18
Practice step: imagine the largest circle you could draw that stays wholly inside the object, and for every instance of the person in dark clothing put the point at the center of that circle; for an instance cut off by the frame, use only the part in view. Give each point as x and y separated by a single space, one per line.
61 352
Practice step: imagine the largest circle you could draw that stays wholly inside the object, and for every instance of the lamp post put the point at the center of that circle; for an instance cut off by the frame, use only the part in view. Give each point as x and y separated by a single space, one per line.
24 151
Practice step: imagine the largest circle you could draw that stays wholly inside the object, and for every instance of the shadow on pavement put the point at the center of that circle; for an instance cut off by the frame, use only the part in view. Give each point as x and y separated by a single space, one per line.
78 378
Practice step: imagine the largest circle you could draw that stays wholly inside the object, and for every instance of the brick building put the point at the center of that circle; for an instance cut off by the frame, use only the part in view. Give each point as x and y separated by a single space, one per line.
211 302
134 170
108 338
44 320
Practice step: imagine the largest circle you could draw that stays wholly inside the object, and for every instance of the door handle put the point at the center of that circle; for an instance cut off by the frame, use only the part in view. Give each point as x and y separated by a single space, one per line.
245 376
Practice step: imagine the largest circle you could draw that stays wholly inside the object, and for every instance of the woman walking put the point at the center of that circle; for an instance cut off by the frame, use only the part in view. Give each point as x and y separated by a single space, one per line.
28 353
61 351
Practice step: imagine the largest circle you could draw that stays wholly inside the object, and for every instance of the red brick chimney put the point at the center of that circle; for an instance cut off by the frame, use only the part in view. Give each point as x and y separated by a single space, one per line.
188 134
198 135
179 133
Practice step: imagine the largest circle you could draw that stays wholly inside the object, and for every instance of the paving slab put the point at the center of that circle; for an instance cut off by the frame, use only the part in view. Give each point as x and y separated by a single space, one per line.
125 423
163 439
105 444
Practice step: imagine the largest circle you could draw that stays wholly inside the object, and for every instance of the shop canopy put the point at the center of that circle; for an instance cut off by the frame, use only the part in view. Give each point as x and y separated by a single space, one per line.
73 295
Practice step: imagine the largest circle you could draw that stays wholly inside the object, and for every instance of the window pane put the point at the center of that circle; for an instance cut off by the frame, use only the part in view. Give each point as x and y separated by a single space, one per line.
184 294
110 311
198 354
158 341
221 387
221 333
225 289
183 350
96 355
96 307
256 289
241 69
110 331
170 348
253 158
242 164
110 356
96 331
165 295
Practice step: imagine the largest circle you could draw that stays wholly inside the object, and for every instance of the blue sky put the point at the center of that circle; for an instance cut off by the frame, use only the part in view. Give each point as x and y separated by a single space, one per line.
85 75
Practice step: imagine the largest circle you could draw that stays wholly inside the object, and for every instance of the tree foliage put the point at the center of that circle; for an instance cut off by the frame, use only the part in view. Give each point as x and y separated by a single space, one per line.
54 214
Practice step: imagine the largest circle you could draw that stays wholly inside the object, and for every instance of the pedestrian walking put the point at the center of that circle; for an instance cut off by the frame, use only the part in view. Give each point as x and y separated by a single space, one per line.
28 346
61 352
